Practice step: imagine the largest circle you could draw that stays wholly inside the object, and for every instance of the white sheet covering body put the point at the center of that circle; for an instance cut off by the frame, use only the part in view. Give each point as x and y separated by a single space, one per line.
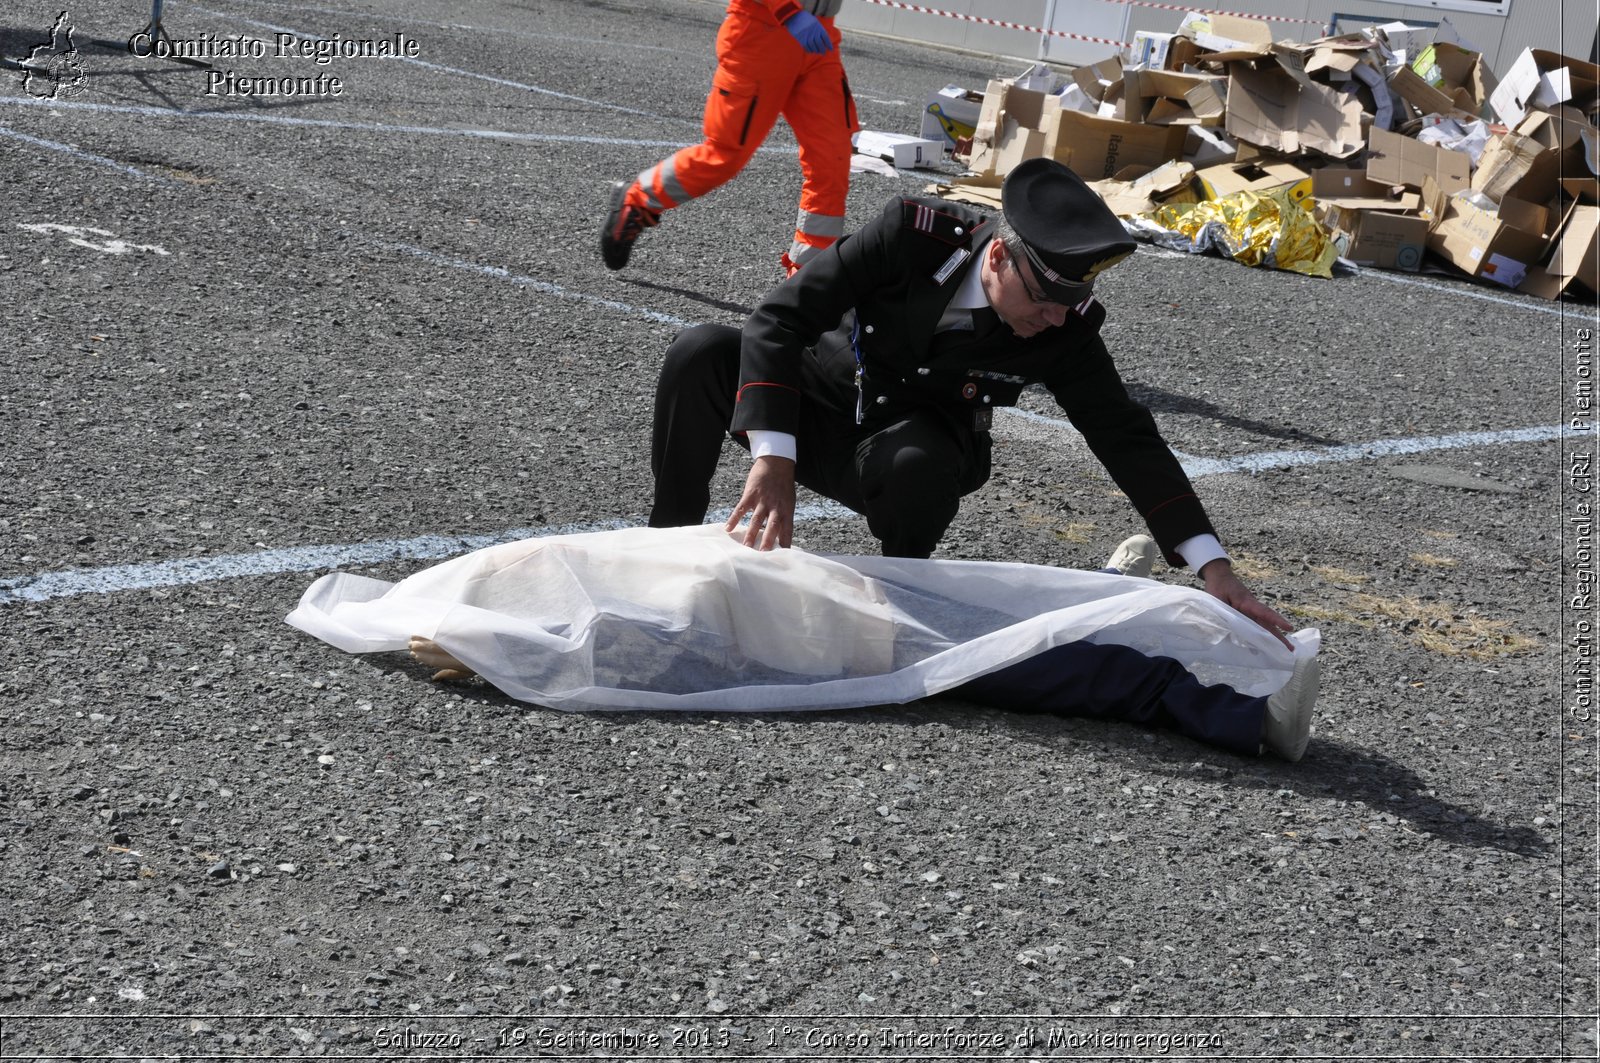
690 618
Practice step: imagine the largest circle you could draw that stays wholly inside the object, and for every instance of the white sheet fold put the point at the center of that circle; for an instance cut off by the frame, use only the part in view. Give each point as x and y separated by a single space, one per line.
691 619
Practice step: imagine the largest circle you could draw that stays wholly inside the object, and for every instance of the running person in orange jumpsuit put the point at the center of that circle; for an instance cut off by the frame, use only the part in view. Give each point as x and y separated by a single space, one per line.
773 57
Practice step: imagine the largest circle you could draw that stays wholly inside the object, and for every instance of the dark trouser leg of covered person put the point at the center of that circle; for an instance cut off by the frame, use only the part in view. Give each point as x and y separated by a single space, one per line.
1118 683
694 405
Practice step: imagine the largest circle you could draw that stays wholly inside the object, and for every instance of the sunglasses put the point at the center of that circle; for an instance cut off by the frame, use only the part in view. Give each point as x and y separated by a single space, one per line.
1038 297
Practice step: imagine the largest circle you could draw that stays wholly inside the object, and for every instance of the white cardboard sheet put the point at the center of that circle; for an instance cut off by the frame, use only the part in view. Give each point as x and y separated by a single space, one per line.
691 619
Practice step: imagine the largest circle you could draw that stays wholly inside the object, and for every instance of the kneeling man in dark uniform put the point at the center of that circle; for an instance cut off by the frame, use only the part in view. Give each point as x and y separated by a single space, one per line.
871 375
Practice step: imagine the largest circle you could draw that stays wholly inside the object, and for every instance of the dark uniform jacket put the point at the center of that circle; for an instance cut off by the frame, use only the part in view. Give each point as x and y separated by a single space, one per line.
882 290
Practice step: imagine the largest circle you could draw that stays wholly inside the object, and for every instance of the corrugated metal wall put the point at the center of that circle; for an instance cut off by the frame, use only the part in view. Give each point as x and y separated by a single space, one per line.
1566 26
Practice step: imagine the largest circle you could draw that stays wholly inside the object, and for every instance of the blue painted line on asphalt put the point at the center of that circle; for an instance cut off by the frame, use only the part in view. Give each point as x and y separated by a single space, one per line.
45 586
79 153
357 127
546 287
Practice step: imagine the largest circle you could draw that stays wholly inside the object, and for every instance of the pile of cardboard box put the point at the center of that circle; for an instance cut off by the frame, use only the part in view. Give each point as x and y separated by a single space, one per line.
1402 142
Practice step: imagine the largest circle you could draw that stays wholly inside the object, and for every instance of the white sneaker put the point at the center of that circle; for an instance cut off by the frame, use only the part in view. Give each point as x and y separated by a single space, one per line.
1289 710
1134 556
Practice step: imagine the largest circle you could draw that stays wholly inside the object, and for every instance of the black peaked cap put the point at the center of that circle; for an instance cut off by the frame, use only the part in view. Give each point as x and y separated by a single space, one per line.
1069 232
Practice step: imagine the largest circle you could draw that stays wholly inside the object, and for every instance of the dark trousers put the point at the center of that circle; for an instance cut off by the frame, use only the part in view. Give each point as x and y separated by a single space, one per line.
906 475
1118 683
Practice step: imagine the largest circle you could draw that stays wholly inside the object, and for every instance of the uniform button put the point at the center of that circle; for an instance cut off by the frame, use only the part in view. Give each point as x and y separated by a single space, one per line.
869 330
923 370
882 399
986 398
959 230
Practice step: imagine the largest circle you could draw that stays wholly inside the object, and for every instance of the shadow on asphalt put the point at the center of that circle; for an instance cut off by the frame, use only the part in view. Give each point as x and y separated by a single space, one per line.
1159 400
692 296
1331 771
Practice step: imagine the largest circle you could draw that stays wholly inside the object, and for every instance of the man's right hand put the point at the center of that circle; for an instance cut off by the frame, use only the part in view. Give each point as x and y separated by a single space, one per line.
768 501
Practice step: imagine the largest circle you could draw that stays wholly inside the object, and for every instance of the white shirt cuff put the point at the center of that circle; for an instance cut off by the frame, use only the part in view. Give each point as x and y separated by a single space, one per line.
765 443
1200 550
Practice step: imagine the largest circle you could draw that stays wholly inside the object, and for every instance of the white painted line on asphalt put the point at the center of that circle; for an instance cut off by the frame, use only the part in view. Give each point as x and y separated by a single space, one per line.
1464 291
188 570
707 56
359 127
386 18
185 571
1531 304
1039 418
75 235
440 67
191 570
1197 467
1379 448
304 35
537 285
79 153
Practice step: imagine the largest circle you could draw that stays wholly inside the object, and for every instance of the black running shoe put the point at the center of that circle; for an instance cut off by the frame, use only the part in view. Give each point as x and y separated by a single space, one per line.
623 226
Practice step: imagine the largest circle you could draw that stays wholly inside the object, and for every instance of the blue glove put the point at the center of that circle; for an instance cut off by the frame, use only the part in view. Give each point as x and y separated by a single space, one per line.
811 34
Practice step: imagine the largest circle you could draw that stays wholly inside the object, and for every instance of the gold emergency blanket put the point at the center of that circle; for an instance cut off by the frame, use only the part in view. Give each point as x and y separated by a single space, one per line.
690 618
1256 229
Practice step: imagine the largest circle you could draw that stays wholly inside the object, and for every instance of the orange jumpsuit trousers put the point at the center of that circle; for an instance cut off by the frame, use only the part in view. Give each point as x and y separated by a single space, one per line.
763 72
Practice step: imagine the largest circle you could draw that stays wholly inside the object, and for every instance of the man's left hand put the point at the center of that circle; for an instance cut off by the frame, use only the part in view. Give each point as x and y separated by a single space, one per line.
1225 586
812 34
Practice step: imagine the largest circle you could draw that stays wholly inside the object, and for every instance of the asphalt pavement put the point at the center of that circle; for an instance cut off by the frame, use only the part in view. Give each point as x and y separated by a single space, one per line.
251 339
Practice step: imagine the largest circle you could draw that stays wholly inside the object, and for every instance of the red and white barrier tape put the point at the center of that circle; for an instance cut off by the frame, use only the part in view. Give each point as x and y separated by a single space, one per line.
981 20
997 22
1204 11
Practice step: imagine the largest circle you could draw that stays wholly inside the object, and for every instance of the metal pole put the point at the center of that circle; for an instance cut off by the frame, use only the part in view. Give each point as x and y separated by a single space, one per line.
1049 23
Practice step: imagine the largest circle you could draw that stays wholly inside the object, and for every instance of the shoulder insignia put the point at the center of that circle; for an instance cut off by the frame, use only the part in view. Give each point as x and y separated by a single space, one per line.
938 224
1092 311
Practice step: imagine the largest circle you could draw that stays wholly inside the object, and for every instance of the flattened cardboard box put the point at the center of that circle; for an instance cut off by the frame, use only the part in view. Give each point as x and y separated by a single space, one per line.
1207 147
1576 259
1097 148
1165 97
1426 99
1500 246
1131 193
1335 182
1545 79
1381 238
1008 116
1400 160
1270 108
1097 79
1227 37
1520 165
1458 73
1334 58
